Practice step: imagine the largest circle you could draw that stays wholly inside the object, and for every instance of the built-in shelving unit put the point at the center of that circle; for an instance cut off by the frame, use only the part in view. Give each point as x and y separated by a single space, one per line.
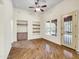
36 27
21 23
22 30
36 24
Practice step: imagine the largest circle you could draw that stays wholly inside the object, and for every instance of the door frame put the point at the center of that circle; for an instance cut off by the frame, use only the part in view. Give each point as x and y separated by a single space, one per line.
74 29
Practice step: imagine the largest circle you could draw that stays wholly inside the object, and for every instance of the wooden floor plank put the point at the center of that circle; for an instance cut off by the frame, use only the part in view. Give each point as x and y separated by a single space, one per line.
43 49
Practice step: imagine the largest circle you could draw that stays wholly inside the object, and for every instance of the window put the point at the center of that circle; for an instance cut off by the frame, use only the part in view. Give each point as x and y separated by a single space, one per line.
51 27
54 27
48 28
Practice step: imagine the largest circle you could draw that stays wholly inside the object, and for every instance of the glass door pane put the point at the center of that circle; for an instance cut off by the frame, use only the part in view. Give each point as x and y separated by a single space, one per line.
48 28
68 30
54 27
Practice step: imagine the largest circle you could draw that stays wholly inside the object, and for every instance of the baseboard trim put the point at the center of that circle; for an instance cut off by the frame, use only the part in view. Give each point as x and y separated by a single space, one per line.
51 42
35 39
63 46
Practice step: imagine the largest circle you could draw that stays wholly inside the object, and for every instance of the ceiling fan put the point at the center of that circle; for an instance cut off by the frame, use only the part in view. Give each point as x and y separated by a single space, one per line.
37 7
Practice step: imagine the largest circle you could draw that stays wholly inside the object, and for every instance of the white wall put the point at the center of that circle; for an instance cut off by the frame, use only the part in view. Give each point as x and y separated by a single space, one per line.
63 8
5 28
1 33
20 14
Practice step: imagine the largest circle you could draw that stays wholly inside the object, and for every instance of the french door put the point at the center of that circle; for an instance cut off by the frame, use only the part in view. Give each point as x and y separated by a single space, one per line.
69 30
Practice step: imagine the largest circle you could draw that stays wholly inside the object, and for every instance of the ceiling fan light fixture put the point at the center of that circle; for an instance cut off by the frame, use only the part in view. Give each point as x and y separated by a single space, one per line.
37 9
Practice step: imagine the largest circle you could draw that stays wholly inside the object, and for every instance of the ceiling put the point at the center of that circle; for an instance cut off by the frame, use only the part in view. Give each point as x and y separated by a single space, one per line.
24 4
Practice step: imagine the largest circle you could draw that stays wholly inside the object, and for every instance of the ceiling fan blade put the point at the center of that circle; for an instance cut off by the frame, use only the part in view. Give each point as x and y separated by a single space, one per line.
42 10
44 6
36 3
31 7
37 0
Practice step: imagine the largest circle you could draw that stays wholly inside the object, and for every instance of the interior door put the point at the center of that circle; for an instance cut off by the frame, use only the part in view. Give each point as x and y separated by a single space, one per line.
69 30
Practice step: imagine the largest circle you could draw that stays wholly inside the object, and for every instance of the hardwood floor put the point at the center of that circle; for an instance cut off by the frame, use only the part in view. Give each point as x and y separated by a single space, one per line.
40 49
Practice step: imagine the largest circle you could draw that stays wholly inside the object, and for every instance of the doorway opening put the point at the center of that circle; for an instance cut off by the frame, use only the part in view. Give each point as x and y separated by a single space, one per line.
22 30
69 31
